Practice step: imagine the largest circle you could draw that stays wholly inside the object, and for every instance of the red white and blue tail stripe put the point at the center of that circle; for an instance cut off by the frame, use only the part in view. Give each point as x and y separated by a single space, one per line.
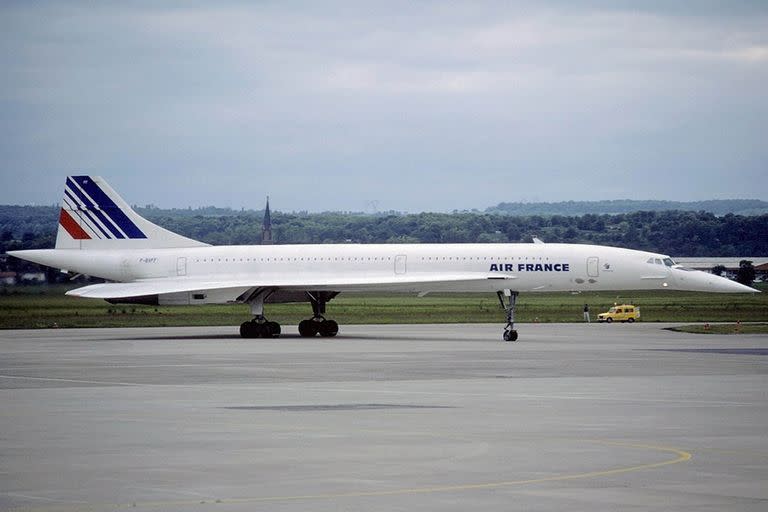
88 212
94 216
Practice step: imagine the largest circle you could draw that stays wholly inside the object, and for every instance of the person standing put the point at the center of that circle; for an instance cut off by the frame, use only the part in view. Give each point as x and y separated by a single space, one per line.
586 313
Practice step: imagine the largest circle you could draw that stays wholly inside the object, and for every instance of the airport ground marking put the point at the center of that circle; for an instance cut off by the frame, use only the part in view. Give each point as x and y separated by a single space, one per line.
680 457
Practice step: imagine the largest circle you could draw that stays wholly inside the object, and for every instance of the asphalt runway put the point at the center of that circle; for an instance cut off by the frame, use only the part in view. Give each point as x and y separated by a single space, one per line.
384 417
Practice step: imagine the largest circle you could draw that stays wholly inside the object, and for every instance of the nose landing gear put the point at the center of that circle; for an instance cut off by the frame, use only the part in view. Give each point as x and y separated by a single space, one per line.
508 298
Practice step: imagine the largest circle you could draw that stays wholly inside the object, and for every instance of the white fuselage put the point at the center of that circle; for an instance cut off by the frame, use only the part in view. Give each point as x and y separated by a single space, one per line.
493 267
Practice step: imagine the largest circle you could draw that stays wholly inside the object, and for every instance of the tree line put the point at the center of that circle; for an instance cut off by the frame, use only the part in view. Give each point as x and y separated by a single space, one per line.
679 233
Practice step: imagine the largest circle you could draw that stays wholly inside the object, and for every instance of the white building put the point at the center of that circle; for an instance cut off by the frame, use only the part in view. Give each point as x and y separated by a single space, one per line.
731 264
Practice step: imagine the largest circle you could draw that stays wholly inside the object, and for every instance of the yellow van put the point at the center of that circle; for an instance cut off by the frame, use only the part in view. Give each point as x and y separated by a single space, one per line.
622 313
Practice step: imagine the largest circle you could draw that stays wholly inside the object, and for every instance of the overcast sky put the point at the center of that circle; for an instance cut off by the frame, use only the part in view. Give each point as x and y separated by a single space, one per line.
411 106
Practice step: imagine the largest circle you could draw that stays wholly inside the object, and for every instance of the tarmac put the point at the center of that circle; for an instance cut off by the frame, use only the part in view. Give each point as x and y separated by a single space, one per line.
572 417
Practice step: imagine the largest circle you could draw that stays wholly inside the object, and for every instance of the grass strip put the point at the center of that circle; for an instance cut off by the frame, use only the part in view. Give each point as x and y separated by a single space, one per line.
31 307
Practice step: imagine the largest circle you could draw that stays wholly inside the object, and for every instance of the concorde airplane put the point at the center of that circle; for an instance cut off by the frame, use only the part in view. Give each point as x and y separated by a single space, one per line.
100 235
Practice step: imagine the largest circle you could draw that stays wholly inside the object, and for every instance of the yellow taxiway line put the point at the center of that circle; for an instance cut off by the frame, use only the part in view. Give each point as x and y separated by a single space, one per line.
679 456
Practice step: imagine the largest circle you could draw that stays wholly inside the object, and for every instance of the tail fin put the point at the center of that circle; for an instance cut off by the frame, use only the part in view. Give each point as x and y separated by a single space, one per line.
94 216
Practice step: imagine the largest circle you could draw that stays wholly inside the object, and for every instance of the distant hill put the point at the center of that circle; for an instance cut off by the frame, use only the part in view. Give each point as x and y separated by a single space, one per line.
715 206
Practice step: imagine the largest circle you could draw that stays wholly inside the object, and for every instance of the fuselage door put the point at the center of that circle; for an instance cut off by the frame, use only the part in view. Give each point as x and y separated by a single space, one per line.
400 264
593 268
181 266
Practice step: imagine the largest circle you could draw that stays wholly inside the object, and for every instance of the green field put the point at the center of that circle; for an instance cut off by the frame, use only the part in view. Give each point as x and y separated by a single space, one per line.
32 307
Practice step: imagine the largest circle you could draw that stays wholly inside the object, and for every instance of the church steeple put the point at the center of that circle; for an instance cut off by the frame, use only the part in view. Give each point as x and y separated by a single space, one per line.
266 227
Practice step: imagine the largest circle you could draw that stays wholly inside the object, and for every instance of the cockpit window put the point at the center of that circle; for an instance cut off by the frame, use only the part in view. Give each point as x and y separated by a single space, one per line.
669 262
657 261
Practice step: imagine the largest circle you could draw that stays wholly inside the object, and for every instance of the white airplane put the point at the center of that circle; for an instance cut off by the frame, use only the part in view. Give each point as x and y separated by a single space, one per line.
100 235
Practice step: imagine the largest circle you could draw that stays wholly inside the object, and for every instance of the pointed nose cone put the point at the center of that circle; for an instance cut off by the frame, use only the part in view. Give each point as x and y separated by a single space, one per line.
734 287
695 280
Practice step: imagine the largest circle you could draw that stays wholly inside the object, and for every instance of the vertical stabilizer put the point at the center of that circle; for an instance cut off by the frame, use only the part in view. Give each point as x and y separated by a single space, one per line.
94 216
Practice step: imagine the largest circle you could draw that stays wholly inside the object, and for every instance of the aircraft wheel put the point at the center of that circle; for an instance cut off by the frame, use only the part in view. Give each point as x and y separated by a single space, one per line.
250 330
307 328
273 329
328 328
510 335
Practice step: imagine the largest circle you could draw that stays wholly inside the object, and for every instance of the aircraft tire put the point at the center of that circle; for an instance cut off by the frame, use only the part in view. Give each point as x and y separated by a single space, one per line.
273 329
329 328
250 330
510 335
307 328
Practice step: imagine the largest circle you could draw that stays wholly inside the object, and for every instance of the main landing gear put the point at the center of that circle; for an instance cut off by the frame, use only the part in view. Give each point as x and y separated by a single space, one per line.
318 324
508 298
259 327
